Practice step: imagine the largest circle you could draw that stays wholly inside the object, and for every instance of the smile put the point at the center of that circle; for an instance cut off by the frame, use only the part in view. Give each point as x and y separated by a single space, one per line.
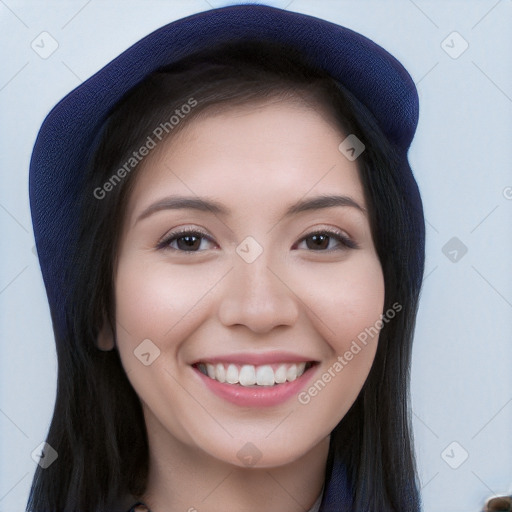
248 375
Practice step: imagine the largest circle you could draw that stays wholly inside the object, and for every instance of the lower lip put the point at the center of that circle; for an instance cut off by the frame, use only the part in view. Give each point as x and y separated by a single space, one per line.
257 396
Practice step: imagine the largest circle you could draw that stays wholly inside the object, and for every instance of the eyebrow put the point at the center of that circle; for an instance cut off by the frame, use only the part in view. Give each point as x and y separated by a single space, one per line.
212 206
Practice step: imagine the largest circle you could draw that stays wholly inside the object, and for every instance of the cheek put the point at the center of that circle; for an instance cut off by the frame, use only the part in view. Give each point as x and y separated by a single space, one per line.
152 299
346 309
345 299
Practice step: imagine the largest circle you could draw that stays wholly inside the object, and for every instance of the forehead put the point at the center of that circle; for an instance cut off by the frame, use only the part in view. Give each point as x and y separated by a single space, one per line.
268 154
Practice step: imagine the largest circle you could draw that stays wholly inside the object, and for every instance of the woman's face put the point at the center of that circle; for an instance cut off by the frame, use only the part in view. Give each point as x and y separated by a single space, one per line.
231 262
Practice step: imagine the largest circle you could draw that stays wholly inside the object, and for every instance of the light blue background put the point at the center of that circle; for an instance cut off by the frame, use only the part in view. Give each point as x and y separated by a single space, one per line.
461 156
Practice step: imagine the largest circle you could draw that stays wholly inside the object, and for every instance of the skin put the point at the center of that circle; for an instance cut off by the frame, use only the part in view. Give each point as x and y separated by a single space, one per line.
256 160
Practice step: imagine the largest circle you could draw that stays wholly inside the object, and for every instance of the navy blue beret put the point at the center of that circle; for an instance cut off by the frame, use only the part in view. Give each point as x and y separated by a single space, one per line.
66 136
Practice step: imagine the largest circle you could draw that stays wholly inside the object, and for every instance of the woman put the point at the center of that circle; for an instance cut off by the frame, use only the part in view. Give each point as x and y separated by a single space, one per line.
186 200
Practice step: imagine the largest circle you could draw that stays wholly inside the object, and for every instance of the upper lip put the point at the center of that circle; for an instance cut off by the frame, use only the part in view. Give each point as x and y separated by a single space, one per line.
256 359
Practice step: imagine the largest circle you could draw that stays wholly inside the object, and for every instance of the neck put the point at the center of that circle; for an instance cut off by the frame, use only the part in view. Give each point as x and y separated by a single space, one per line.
187 479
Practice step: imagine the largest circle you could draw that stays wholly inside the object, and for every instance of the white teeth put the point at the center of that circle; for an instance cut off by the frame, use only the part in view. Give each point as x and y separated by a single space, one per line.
250 375
280 375
220 373
211 370
232 374
291 373
247 376
265 376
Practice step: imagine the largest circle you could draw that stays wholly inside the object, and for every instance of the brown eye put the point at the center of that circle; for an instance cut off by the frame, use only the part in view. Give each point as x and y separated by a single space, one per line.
188 243
184 241
318 242
326 241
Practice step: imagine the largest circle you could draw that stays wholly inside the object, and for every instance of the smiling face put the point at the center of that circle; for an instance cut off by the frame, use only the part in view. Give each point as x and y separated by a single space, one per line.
231 263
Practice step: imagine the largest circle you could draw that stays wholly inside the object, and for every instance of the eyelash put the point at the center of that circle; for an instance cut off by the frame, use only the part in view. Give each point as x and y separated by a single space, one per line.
344 240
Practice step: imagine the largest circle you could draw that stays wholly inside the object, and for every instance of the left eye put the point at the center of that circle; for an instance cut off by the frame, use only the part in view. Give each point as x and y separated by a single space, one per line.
321 241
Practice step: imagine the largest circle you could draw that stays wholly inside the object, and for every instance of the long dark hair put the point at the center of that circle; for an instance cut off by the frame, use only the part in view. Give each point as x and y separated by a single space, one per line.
98 428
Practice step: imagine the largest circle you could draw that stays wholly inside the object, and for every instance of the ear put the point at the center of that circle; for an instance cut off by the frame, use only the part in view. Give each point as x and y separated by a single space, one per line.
105 339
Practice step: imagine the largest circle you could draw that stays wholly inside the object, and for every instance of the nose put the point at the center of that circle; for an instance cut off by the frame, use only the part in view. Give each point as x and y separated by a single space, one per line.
258 297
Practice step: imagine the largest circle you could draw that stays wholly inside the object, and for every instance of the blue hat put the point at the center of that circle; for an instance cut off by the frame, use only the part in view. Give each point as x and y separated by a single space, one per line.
67 136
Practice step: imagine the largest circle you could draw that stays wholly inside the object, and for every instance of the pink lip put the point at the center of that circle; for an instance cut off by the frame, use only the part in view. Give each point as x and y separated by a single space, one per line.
257 396
255 358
